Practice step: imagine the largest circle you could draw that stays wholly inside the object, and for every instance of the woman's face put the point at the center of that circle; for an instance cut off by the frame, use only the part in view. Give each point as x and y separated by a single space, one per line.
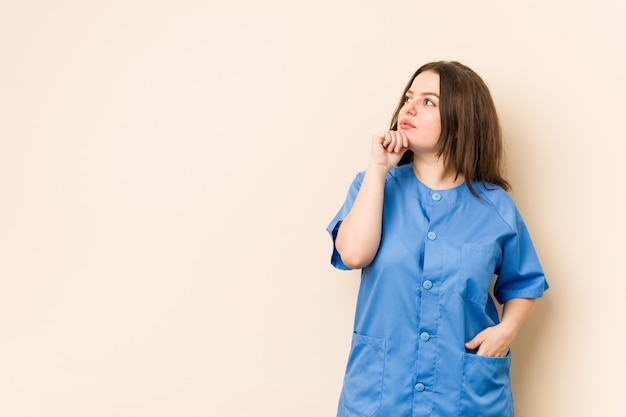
419 117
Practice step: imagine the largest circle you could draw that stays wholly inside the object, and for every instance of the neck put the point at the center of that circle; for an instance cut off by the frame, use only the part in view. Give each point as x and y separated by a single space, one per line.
435 175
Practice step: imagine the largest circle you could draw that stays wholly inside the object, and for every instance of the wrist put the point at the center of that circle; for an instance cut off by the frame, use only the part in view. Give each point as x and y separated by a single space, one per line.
377 169
510 329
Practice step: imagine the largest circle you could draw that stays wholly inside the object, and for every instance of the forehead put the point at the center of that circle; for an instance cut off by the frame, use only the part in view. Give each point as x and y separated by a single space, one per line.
427 81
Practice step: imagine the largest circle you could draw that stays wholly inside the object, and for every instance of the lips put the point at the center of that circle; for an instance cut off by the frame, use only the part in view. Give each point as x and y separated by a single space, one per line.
406 124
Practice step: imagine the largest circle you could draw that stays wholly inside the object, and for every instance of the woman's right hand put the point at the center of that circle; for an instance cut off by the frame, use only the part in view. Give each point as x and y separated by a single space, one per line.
387 148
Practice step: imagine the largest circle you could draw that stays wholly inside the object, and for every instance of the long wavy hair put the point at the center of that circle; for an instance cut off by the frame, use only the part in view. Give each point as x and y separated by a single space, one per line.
471 136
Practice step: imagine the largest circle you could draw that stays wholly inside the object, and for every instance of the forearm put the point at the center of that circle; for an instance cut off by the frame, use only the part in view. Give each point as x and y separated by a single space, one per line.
515 312
358 237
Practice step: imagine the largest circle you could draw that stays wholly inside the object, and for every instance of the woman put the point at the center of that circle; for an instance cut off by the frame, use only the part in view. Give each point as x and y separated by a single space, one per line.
430 223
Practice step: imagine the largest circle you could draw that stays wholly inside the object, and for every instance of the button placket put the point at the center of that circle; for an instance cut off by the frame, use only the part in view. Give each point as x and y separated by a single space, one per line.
429 324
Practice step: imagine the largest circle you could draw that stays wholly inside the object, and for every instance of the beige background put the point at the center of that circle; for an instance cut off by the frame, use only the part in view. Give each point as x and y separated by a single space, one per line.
167 169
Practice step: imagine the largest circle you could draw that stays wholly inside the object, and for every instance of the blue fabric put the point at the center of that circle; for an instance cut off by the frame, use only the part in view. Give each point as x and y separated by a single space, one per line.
427 292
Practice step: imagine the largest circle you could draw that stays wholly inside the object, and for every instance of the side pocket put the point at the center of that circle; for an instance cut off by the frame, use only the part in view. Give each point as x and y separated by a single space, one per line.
486 386
363 383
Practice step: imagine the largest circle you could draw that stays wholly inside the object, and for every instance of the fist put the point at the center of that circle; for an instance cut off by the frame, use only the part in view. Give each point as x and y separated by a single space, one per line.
388 147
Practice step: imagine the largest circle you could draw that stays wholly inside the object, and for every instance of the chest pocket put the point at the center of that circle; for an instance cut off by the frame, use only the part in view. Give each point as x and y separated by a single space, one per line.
478 265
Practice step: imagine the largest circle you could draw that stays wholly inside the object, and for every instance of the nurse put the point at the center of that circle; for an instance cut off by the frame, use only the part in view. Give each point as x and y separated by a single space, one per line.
432 228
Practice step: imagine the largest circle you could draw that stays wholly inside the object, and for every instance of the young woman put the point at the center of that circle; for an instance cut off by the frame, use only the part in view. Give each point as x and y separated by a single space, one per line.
429 223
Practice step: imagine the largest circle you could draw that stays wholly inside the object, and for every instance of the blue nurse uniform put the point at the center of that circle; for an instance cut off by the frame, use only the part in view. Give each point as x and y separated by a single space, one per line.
427 292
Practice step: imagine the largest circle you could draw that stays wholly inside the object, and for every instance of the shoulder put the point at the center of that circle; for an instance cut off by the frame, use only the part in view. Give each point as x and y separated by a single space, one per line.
493 194
501 202
401 173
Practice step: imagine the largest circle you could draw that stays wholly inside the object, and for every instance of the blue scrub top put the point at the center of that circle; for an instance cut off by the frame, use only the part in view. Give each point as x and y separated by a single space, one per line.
427 293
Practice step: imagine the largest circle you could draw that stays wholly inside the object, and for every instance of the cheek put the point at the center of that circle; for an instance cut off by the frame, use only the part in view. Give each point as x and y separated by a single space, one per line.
435 122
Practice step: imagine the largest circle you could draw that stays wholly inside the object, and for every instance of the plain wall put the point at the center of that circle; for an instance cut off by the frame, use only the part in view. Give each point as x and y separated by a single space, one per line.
168 168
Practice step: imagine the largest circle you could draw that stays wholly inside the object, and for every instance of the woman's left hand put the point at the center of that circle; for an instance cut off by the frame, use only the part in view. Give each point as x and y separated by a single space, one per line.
493 341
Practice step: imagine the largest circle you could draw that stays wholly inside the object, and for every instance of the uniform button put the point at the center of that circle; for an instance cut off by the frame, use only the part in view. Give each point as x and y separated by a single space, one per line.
424 337
432 235
427 284
436 196
419 387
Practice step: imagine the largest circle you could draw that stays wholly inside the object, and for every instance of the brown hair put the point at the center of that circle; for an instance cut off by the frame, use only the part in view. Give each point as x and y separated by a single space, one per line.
471 137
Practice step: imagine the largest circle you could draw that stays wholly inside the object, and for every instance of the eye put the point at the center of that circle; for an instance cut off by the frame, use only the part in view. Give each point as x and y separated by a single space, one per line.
407 99
428 102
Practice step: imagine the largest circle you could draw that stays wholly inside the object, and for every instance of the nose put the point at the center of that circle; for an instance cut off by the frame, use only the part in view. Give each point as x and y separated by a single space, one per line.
409 109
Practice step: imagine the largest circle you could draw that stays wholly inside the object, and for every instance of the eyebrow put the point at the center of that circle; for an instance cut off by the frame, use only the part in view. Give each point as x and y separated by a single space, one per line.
423 94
